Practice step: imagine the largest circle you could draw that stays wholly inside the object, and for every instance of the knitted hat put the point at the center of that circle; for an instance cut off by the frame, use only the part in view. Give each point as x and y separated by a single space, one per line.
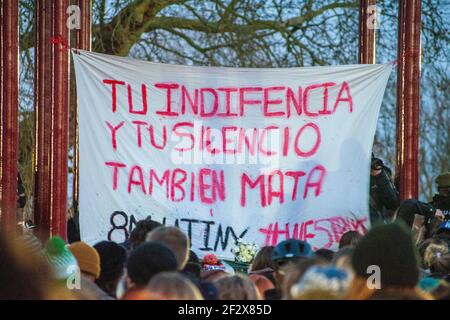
390 247
211 262
112 259
147 260
59 257
87 257
327 279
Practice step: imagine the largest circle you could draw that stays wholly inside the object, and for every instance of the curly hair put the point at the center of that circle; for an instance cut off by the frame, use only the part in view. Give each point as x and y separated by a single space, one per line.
437 258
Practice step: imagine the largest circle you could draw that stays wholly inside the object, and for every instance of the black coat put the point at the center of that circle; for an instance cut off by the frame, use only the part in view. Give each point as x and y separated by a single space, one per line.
383 196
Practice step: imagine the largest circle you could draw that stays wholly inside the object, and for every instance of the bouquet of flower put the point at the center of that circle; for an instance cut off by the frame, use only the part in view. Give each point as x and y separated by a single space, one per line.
244 252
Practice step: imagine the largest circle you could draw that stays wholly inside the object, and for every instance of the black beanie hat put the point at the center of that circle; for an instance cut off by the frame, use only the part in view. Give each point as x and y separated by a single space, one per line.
147 260
112 259
390 247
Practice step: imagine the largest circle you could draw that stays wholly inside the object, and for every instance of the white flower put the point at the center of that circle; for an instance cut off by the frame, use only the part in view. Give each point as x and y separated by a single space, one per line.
244 252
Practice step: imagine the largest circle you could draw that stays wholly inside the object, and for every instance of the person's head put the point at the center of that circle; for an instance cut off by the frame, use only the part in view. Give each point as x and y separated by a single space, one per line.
292 272
349 239
237 287
290 251
147 260
391 250
140 231
112 265
208 290
443 184
421 247
321 283
267 273
173 286
437 258
263 259
140 293
212 275
343 259
60 259
262 283
23 276
212 268
175 240
325 254
87 257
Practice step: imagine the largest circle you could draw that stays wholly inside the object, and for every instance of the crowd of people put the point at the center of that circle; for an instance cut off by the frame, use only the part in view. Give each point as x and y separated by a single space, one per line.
404 255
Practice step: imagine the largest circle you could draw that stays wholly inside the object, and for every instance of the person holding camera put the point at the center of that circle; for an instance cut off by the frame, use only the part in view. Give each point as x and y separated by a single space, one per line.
441 200
383 194
421 217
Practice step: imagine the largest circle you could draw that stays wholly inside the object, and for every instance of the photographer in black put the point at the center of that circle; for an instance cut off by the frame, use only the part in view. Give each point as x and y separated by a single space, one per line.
436 214
441 200
410 210
383 194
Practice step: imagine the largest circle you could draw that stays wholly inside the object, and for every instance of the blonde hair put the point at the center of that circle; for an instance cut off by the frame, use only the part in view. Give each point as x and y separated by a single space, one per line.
175 240
433 253
237 287
173 286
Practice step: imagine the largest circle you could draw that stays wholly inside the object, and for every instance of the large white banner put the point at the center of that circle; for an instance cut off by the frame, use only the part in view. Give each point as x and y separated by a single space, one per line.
225 153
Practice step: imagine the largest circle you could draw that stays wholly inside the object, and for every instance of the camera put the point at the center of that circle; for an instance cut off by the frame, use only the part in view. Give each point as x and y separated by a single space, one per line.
430 211
376 164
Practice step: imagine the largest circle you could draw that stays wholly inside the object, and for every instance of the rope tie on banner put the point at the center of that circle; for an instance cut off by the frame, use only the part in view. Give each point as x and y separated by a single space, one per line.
63 44
60 41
